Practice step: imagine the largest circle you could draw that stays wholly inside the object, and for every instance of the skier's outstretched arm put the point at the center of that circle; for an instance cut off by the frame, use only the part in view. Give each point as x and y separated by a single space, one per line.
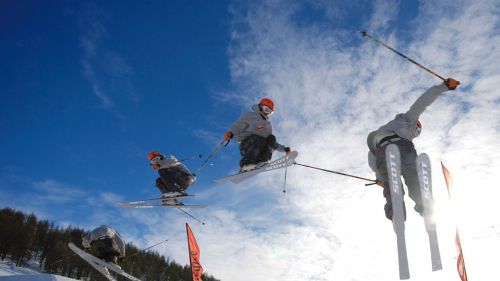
427 98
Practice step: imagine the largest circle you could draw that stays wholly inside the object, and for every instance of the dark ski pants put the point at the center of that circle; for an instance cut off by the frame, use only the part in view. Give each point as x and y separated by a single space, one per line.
408 171
255 149
173 179
105 249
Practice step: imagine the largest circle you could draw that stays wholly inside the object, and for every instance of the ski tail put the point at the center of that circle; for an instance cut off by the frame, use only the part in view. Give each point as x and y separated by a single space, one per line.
425 182
393 162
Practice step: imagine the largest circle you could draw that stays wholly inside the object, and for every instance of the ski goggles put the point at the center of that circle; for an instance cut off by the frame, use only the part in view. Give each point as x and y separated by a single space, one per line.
266 110
155 160
418 129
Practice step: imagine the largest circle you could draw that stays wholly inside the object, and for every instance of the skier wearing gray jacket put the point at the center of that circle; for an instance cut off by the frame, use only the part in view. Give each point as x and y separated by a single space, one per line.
254 132
174 176
401 131
105 243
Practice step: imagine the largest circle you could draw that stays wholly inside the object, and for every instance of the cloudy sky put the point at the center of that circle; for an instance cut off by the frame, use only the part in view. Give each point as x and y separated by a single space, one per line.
89 88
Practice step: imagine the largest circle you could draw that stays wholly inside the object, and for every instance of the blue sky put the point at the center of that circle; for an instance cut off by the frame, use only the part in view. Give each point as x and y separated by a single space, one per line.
89 88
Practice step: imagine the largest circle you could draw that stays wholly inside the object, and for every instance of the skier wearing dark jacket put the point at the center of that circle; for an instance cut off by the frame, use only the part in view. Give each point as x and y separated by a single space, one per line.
254 132
401 131
105 243
174 176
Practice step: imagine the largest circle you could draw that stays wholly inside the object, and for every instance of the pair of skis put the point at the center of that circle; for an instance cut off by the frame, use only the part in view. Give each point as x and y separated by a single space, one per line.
167 200
393 161
279 163
100 265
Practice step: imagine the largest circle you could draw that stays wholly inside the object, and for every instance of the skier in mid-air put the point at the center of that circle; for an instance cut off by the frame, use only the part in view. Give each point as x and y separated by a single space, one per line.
254 132
401 131
174 176
104 243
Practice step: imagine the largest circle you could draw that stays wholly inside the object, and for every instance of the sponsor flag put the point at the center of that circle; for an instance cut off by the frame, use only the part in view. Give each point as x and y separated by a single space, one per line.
194 255
460 260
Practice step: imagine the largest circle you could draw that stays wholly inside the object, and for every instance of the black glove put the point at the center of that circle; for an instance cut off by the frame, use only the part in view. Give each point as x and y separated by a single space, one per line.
287 150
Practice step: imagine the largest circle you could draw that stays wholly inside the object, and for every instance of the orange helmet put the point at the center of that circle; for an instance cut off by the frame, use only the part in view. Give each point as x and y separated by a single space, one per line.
153 154
267 102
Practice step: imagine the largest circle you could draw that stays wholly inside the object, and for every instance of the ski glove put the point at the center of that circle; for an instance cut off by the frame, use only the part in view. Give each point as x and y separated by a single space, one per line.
287 150
380 183
228 135
451 83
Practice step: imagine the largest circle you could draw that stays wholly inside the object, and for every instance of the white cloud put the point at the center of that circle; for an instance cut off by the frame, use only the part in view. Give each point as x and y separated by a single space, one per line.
106 71
329 96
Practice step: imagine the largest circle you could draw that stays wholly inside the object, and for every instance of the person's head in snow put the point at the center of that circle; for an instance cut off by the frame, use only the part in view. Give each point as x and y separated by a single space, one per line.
174 176
401 131
254 132
104 243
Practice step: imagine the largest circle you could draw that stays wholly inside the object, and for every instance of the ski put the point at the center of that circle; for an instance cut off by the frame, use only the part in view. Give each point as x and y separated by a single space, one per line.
279 163
164 197
101 265
393 162
425 182
168 205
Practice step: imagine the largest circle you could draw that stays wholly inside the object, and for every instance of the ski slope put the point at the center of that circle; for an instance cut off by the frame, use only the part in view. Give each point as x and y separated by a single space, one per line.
9 271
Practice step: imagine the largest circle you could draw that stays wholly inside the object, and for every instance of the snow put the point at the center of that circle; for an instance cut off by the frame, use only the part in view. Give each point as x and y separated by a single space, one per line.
9 271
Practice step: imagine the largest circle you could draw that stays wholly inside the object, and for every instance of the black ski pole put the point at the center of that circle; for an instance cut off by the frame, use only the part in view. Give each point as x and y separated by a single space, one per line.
63 259
338 173
146 249
214 151
284 183
191 215
191 158
365 34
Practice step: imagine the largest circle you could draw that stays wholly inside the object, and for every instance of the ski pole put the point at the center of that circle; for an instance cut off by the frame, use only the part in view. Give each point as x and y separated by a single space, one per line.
146 248
214 151
365 34
63 259
191 215
191 158
284 183
338 173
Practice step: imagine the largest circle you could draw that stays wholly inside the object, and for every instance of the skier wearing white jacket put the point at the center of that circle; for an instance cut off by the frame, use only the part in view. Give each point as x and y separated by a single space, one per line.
105 242
174 176
401 131
254 132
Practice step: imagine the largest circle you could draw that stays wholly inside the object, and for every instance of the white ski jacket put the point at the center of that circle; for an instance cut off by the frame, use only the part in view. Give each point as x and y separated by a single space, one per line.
104 231
253 123
404 125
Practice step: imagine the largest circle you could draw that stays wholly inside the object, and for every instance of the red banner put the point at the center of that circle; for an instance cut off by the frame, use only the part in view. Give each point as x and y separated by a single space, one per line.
194 255
460 260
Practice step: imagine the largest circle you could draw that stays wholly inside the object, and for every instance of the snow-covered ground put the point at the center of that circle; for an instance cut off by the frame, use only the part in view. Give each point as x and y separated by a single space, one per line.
9 271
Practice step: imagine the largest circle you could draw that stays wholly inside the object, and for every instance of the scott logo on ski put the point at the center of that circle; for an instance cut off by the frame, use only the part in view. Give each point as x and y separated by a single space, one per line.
395 174
425 180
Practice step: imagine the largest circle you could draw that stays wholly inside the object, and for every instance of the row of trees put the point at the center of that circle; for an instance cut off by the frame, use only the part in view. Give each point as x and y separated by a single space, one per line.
23 237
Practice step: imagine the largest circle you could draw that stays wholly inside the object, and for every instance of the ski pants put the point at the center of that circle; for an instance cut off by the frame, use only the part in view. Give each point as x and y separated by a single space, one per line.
255 149
174 179
105 249
408 171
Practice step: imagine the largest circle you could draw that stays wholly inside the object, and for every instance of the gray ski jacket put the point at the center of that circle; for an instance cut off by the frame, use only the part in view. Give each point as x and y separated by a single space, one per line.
102 232
404 125
253 123
171 161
